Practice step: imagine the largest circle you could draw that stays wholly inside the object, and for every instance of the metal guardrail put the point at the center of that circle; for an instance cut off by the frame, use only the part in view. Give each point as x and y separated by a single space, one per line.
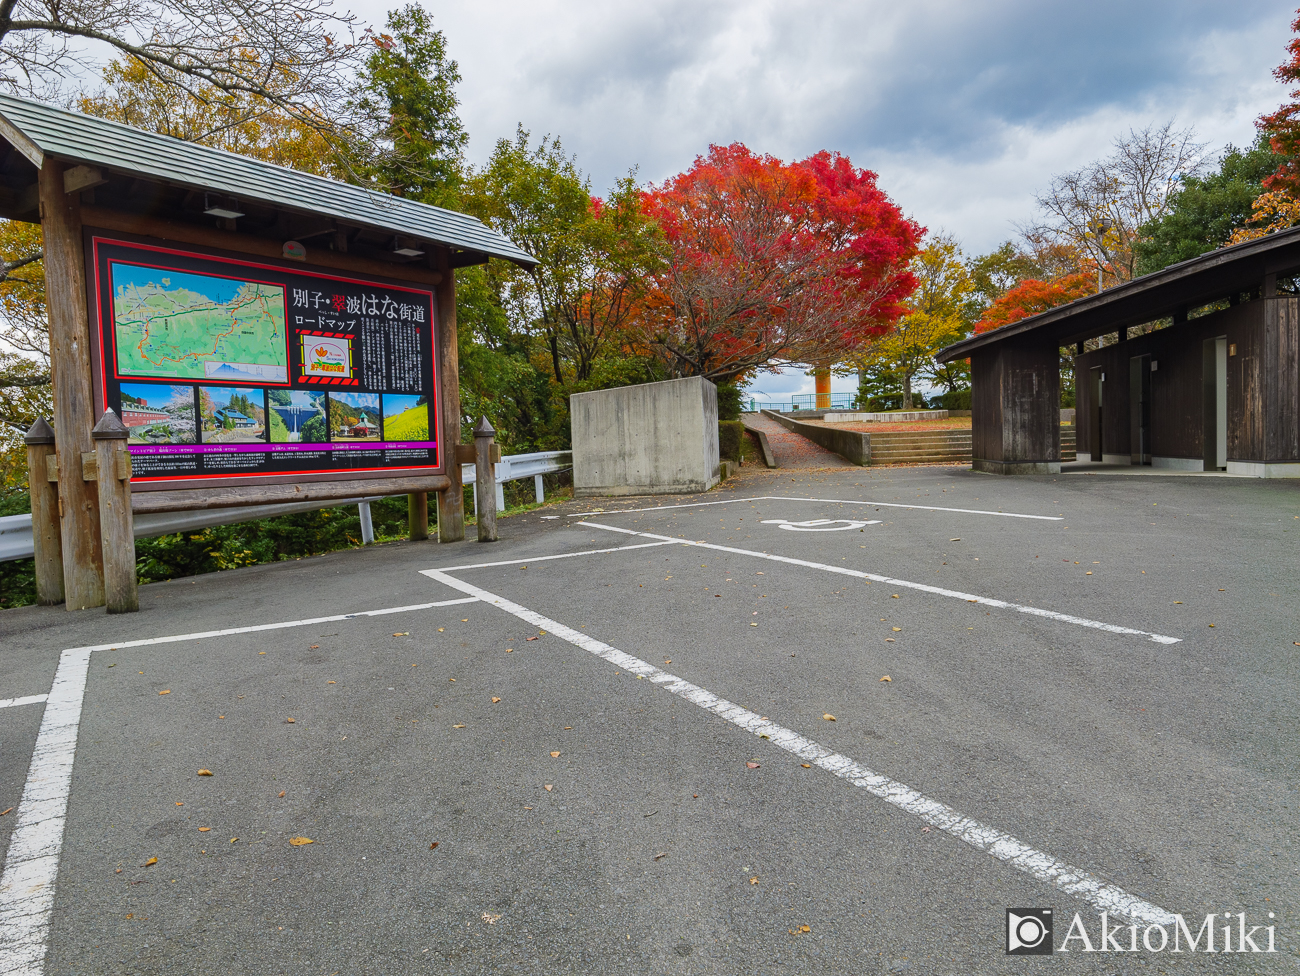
16 530
514 467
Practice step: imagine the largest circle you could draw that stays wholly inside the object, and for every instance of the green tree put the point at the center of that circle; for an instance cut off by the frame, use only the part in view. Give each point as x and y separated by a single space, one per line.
407 99
938 315
1206 211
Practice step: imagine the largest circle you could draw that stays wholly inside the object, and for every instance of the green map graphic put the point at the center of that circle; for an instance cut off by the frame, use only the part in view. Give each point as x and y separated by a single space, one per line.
196 326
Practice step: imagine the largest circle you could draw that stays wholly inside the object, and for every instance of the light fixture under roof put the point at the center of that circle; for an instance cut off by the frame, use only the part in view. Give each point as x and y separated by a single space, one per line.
406 252
219 210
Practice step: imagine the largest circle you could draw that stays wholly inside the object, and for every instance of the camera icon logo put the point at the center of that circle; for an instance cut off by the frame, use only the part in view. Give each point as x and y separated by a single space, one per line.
1029 931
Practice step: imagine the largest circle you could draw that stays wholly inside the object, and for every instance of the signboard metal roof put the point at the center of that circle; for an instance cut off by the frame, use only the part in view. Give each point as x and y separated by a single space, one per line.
37 130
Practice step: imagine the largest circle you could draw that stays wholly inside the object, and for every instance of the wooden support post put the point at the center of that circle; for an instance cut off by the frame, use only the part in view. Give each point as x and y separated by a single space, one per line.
485 481
417 516
74 412
451 502
45 514
1016 409
113 472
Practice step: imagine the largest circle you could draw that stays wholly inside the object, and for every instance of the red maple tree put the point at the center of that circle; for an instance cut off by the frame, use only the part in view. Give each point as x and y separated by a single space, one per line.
1032 296
1283 126
767 261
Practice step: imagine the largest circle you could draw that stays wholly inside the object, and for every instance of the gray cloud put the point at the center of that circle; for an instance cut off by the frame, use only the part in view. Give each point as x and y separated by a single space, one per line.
964 109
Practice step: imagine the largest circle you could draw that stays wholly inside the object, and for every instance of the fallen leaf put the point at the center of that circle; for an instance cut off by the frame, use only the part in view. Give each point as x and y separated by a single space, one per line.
152 861
568 728
1178 601
495 700
510 650
555 755
313 647
288 721
890 640
205 772
282 792
806 765
530 638
452 680
1211 625
958 539
829 717
1088 573
221 716
331 682
752 765
10 810
300 841
804 928
259 652
458 726
897 629
664 854
233 839
925 830
893 596
548 787
405 633
887 678
441 629
753 881
433 846
204 830
179 803
130 915
668 661
165 691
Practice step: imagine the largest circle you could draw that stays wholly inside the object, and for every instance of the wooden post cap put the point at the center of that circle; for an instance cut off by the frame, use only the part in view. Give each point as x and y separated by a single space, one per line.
110 428
484 429
39 433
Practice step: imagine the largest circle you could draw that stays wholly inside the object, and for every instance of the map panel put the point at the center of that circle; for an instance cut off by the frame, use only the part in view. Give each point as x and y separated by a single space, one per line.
169 323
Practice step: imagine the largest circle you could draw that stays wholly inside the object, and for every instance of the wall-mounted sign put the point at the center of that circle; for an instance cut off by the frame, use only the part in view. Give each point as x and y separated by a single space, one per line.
230 371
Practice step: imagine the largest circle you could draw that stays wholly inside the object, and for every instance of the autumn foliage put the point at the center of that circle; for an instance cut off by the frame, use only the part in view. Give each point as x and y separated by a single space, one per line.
1283 126
767 261
1033 296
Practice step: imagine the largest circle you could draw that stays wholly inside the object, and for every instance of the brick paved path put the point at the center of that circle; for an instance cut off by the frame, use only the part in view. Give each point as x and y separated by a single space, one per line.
793 451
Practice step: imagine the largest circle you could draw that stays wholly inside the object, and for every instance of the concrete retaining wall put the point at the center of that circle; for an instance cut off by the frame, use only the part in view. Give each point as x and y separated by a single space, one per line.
650 439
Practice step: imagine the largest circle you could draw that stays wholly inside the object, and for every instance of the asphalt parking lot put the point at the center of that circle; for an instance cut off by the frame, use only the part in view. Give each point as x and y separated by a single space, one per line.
656 736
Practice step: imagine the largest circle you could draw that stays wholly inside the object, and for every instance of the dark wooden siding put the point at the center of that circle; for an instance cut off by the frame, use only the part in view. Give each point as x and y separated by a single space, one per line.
1015 404
1177 394
1282 380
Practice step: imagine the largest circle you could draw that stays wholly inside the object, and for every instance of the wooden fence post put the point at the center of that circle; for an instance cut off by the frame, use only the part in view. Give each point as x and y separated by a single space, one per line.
116 526
485 481
417 516
41 462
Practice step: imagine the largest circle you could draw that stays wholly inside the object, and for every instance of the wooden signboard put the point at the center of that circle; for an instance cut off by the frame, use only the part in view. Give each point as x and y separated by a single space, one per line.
234 371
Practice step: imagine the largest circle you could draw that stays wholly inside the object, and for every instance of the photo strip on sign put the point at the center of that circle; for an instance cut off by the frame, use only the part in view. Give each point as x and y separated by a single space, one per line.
229 370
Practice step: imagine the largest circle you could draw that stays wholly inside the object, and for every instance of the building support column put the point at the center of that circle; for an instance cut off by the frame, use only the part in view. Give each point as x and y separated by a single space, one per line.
451 501
74 409
1016 409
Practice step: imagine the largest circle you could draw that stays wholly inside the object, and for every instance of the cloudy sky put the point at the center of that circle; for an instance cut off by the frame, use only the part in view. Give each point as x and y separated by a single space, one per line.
965 109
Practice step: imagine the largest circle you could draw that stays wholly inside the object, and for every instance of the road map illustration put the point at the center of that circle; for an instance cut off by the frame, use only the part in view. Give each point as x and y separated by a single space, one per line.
180 324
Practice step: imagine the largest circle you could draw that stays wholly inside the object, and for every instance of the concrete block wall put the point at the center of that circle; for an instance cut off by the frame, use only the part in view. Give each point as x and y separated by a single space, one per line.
649 439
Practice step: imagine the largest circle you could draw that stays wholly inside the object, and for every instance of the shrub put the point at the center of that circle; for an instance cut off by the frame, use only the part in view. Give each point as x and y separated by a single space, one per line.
954 400
729 402
731 435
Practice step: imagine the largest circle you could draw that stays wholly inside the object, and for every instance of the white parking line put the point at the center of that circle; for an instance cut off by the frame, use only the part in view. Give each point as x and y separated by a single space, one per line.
566 555
923 587
26 700
1074 881
32 862
828 501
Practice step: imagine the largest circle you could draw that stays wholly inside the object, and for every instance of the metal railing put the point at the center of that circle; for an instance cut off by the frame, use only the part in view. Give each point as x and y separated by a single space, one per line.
16 530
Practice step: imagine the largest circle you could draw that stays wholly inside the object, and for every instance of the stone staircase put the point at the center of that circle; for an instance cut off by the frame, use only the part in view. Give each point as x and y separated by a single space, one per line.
939 446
